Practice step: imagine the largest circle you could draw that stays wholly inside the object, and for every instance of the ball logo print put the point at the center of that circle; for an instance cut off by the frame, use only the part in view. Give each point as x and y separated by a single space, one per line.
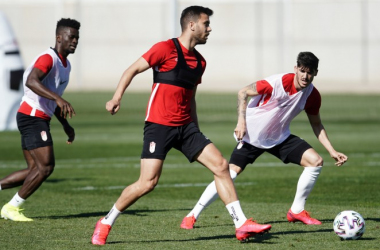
349 225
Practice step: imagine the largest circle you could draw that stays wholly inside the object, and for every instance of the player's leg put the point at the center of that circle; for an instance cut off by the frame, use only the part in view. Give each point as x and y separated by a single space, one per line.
297 151
312 163
242 155
37 144
209 195
211 157
17 178
150 173
42 160
30 128
157 142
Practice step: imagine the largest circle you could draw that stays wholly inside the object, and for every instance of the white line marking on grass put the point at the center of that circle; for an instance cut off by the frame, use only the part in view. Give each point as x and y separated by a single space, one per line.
134 162
177 185
372 163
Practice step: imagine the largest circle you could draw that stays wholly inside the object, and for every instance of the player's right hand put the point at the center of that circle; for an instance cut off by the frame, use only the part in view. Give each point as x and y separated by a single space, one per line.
240 131
113 106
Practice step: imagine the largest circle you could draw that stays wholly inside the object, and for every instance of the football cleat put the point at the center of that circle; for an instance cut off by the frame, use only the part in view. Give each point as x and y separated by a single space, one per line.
10 212
100 233
303 217
188 222
249 229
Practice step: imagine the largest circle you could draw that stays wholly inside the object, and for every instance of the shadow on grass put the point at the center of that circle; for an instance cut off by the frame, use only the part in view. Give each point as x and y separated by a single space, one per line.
298 222
253 240
140 212
324 221
56 180
264 239
373 219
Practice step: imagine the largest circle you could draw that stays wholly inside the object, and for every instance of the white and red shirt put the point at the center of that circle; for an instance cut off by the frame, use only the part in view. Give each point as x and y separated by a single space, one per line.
168 104
57 70
269 114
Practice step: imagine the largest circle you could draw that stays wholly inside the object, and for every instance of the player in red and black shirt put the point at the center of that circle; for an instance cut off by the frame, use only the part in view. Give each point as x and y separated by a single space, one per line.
44 83
171 121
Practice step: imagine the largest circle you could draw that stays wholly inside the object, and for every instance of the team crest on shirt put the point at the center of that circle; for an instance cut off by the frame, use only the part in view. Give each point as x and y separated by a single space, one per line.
152 147
240 145
44 135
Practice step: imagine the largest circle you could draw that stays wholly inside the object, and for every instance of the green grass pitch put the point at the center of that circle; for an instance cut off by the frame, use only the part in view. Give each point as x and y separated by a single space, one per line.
91 173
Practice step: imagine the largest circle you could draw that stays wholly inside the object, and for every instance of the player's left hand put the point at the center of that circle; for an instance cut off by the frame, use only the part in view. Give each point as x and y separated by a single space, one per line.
339 158
70 133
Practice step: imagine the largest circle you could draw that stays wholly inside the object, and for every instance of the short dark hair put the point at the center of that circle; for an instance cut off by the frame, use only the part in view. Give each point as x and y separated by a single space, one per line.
307 60
67 22
192 13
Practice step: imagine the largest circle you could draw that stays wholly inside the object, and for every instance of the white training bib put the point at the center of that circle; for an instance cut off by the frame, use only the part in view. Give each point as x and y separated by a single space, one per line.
268 125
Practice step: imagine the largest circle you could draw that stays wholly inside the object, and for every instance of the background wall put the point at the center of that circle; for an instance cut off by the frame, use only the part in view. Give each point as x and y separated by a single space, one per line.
250 39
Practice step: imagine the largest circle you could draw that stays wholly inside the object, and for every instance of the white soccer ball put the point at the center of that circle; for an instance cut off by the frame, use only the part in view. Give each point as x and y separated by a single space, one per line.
349 225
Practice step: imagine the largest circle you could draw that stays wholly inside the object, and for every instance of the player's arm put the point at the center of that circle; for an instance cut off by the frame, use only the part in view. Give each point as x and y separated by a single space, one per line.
243 94
320 133
65 124
136 68
193 111
34 83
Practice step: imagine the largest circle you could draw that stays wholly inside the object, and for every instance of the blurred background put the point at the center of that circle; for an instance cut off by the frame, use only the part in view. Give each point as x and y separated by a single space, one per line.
251 39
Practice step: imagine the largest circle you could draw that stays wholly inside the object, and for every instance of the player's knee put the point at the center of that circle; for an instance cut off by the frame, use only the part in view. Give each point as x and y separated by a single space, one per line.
47 171
221 167
149 186
316 161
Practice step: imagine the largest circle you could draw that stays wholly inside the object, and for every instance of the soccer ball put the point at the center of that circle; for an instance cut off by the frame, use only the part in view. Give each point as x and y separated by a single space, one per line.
349 225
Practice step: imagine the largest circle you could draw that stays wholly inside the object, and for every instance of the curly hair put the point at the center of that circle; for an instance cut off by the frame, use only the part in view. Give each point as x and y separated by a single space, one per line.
67 22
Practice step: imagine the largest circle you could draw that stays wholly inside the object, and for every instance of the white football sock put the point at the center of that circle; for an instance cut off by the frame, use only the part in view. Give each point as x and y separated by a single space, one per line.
16 201
209 195
0 187
236 213
305 184
111 216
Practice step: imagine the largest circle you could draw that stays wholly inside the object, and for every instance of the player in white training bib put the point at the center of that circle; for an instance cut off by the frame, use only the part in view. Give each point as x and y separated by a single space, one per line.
44 82
263 126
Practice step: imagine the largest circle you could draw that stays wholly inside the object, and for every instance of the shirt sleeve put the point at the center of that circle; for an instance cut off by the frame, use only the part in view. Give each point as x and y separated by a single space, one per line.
157 55
44 63
263 87
313 102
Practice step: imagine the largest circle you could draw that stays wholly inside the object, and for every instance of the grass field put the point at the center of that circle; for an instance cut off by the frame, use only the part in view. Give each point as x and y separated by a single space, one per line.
91 173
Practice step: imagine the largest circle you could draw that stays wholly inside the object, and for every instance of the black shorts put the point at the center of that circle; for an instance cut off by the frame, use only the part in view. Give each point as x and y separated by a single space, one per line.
159 139
35 131
290 150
